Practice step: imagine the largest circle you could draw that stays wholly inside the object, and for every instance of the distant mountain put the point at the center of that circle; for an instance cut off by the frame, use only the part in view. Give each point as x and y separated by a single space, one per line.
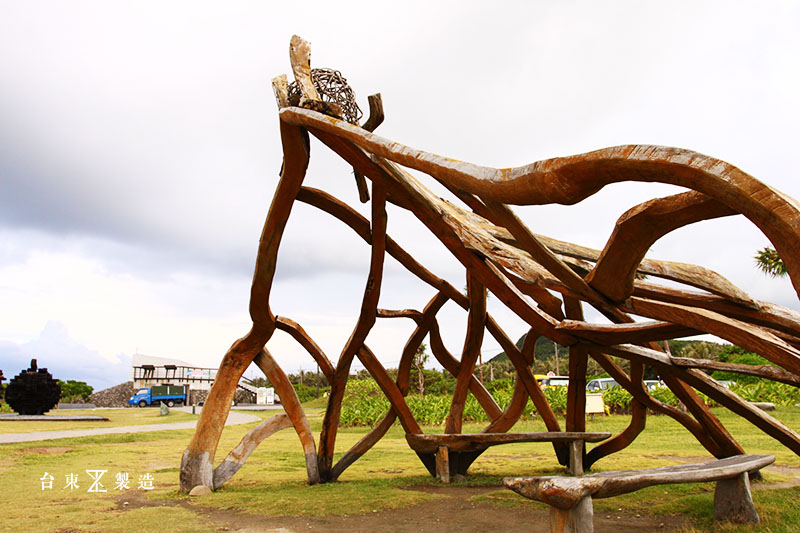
545 350
680 348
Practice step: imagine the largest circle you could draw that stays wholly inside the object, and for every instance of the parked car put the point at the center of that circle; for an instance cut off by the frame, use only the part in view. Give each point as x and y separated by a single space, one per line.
653 383
554 381
601 384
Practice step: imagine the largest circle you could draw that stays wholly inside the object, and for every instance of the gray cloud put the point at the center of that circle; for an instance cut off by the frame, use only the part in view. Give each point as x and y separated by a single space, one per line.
150 144
64 358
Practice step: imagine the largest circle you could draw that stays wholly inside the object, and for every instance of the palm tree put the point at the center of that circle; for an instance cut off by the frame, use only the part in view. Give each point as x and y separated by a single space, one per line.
769 262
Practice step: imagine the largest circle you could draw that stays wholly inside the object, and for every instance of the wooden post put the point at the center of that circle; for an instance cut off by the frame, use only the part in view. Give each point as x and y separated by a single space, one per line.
577 519
443 464
576 457
733 500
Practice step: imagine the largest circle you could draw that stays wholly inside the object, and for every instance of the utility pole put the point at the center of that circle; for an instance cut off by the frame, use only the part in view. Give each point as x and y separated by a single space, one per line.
556 348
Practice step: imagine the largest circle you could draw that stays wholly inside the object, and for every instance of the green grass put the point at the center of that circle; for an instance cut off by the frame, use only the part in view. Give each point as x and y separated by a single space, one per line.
116 417
378 481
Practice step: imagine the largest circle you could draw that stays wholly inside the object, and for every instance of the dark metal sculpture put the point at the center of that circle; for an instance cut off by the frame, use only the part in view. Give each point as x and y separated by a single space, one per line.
33 391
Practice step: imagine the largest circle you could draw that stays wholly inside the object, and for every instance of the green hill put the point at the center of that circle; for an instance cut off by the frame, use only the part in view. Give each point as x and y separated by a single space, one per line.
545 350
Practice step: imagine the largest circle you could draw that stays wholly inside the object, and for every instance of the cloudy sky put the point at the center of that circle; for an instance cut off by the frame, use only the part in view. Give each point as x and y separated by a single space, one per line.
139 151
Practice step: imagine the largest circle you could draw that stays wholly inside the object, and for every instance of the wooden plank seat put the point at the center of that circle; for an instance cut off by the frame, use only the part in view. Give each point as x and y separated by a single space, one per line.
450 454
570 498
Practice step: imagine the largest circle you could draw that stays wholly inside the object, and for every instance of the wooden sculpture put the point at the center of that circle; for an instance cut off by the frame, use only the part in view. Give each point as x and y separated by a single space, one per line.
522 270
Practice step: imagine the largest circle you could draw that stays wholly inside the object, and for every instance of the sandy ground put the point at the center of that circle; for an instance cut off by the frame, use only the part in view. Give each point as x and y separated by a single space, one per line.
452 513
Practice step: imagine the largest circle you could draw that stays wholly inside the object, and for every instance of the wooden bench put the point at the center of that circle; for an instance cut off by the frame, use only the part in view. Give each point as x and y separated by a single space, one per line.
570 498
450 454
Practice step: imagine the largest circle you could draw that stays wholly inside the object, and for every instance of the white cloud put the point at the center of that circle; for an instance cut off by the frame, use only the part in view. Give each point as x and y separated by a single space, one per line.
139 150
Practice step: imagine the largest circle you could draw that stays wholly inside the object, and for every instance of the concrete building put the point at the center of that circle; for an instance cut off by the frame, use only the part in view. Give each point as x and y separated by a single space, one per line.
149 370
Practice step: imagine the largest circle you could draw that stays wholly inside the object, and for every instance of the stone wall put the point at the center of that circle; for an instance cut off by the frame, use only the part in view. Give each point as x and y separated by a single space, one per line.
116 396
196 397
119 395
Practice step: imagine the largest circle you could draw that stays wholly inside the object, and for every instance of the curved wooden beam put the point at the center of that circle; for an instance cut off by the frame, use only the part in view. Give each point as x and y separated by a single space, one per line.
403 369
366 319
626 333
237 457
452 365
519 398
568 180
740 333
578 361
426 207
769 315
291 404
197 460
476 293
638 229
761 371
299 334
638 393
364 444
621 440
712 389
389 388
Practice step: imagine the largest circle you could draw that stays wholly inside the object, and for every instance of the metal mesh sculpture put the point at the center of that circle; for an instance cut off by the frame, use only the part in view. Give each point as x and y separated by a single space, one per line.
524 271
33 391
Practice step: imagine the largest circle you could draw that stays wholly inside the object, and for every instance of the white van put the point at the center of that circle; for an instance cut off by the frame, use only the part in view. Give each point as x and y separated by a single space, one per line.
601 384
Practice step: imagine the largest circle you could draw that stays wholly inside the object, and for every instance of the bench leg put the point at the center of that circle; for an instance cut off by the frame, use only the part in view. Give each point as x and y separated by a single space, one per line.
733 500
578 519
576 457
443 464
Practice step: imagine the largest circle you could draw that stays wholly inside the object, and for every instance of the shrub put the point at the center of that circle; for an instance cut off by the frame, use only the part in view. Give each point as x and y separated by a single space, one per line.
768 391
617 400
665 395
75 391
309 392
735 354
557 398
364 404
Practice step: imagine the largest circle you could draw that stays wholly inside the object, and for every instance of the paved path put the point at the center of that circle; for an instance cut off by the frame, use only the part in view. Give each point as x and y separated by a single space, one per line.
234 418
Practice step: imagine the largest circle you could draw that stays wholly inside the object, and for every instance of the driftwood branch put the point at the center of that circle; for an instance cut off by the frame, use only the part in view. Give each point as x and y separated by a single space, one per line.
237 457
527 273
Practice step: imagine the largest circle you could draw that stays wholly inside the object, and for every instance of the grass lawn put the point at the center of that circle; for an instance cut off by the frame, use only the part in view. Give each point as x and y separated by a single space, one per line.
116 417
272 483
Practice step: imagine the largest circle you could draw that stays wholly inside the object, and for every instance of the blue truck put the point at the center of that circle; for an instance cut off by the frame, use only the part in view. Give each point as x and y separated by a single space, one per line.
168 394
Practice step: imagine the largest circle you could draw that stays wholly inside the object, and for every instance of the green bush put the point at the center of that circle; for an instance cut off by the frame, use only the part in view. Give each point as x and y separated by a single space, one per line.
557 398
364 404
75 391
617 400
309 392
768 391
504 385
735 354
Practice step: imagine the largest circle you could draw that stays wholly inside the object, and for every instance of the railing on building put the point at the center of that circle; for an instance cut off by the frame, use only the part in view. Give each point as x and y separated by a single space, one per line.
173 373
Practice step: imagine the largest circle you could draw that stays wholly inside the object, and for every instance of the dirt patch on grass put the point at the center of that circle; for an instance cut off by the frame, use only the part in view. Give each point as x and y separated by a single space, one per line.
52 450
451 511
